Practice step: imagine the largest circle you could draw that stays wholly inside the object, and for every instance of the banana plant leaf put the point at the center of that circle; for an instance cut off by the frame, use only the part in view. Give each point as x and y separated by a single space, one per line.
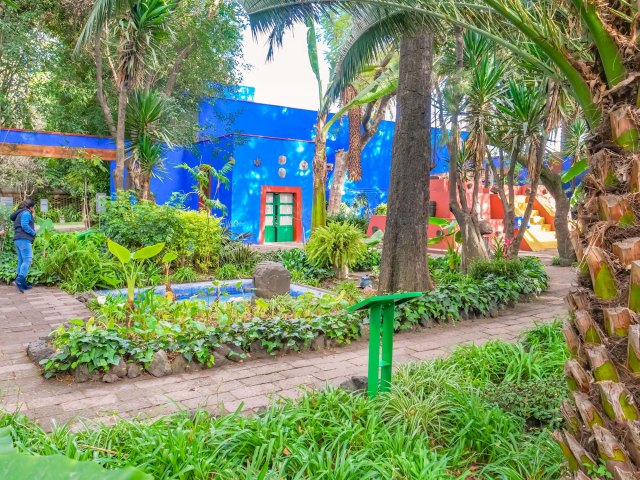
21 466
575 170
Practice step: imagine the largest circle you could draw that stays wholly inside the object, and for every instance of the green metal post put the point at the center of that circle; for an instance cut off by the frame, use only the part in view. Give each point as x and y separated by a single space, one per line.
374 350
387 346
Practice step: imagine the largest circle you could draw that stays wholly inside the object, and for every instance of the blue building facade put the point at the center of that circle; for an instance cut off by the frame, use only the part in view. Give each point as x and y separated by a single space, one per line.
272 150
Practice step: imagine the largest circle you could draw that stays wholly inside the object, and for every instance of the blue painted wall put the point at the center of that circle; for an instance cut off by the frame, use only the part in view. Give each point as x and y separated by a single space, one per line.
248 179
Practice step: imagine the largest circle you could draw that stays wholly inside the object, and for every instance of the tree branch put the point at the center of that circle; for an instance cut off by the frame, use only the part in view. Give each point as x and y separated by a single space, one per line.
177 68
97 55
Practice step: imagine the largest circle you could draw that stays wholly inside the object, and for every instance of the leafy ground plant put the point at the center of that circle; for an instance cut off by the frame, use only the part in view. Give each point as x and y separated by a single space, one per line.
438 422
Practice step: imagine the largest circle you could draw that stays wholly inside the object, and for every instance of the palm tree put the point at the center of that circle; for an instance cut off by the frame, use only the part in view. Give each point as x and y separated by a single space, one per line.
138 26
602 423
146 117
404 265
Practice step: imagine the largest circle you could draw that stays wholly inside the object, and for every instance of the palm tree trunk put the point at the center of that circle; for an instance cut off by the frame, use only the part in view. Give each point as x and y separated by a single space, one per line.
337 185
404 256
118 172
319 206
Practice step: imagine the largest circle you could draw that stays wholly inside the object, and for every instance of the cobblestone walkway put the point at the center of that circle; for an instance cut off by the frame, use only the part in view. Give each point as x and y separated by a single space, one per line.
24 318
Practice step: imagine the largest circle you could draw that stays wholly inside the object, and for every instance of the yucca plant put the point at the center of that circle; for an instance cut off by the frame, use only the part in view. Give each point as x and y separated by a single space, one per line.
338 245
137 26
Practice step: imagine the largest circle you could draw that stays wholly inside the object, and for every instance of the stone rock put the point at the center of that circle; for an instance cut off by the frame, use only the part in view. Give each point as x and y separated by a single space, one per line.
271 279
494 312
159 366
319 343
40 350
219 359
355 384
230 351
257 350
81 374
83 297
179 364
120 369
110 378
134 370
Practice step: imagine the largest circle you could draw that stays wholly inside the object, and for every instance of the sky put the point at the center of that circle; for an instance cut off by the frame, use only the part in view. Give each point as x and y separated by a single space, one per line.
288 79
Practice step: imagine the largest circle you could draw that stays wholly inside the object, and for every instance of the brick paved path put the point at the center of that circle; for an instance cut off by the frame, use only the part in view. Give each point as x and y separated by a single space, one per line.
23 318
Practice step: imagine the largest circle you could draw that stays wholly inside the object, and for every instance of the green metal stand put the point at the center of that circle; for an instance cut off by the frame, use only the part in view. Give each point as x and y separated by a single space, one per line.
381 322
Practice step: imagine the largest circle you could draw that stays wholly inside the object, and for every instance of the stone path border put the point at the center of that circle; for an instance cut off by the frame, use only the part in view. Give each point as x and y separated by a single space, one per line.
253 385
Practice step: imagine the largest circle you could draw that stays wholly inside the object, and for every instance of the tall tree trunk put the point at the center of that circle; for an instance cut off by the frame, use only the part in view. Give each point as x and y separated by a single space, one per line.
337 185
118 172
404 256
473 246
319 206
553 184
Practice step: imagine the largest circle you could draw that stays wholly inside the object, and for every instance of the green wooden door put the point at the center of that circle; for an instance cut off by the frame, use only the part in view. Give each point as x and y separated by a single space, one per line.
284 228
270 219
278 221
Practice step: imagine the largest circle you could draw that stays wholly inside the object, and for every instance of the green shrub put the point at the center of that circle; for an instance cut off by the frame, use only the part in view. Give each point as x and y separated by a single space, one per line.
77 263
228 271
195 237
338 245
296 260
556 261
241 255
369 259
537 402
348 216
381 209
194 328
184 274
457 294
509 268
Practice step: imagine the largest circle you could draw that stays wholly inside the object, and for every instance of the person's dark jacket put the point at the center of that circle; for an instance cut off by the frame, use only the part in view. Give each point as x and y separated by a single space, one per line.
24 225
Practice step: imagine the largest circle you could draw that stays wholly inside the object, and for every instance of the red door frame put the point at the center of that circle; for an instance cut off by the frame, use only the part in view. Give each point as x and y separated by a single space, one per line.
297 210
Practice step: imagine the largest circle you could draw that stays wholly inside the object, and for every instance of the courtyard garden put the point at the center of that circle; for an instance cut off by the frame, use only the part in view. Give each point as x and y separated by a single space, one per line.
189 262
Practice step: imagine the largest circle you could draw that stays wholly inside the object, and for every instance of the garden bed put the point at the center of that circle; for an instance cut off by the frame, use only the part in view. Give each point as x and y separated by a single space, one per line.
161 336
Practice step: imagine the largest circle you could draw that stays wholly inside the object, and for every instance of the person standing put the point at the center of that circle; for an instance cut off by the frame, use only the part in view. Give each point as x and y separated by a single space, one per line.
25 233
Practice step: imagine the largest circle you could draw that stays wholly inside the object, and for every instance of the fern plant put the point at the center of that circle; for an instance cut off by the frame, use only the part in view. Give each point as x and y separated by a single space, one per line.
338 245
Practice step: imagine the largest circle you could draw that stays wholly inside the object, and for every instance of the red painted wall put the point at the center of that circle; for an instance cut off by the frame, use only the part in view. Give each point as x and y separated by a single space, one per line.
490 208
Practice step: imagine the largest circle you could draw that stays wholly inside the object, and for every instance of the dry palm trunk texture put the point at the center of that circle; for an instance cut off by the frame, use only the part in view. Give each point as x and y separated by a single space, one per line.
603 334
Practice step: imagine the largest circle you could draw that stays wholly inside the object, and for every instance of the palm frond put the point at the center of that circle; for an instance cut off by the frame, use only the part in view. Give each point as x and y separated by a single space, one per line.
102 12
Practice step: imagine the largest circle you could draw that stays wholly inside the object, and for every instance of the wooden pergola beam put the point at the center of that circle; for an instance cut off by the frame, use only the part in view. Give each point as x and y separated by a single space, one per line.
26 150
